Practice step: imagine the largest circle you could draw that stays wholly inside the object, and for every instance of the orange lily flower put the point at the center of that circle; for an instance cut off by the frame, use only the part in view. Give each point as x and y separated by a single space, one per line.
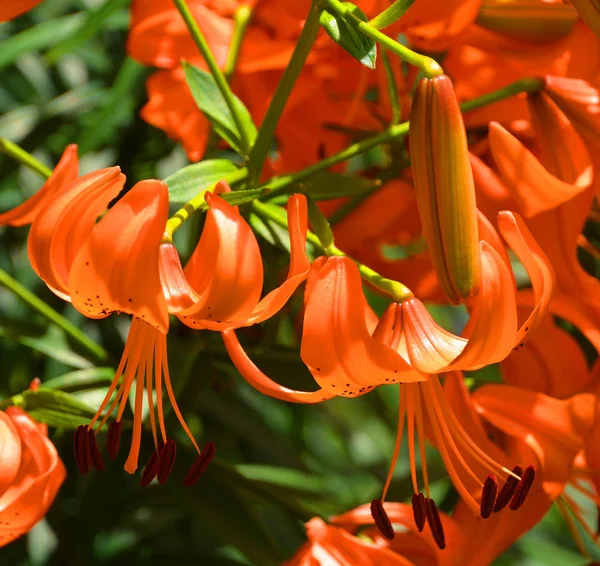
30 476
329 544
12 8
65 171
221 285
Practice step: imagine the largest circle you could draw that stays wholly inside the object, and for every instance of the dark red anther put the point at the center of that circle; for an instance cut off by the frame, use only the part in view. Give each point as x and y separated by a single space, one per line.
95 457
113 440
419 511
166 459
151 468
523 488
382 521
488 495
200 465
81 448
435 523
508 490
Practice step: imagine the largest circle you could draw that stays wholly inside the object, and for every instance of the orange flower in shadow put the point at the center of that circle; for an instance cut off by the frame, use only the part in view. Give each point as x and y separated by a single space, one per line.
65 171
329 544
12 8
30 475
221 285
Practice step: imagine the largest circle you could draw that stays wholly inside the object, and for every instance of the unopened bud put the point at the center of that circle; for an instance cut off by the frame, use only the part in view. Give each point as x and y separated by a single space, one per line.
529 20
444 187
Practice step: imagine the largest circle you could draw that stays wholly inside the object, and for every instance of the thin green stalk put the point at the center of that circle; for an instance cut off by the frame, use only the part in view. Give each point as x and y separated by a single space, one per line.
279 184
13 150
392 88
429 66
53 316
259 152
213 67
395 289
241 20
198 203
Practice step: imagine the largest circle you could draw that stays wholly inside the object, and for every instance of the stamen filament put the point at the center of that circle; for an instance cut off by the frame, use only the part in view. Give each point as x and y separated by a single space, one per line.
410 421
398 443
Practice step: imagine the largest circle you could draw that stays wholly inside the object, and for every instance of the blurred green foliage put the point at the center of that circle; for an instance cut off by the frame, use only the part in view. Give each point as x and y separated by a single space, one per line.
65 78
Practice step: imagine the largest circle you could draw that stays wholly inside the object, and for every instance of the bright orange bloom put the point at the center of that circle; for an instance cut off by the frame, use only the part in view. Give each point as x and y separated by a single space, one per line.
221 285
10 9
30 475
328 545
65 171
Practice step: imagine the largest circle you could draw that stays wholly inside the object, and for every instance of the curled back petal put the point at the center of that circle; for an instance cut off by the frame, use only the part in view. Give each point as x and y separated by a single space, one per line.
117 268
225 269
336 345
12 8
541 275
60 229
65 171
10 452
533 186
176 289
494 331
41 473
261 382
299 263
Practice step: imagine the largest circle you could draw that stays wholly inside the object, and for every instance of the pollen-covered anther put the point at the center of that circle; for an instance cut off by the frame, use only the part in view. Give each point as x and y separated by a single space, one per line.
113 439
81 449
200 465
508 490
95 456
382 521
166 459
523 488
419 510
151 468
488 495
435 523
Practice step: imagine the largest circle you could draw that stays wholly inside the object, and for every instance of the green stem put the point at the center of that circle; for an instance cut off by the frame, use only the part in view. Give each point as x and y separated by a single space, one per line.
278 185
429 66
13 150
392 88
241 20
259 152
395 289
198 203
213 67
53 316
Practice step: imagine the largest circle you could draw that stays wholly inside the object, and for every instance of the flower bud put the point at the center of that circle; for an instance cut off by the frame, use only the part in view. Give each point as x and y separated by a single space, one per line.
444 187
528 20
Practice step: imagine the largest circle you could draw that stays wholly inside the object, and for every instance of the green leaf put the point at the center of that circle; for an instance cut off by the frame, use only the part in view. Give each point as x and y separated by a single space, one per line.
209 99
327 185
82 379
39 37
319 224
236 198
391 14
55 408
345 35
193 179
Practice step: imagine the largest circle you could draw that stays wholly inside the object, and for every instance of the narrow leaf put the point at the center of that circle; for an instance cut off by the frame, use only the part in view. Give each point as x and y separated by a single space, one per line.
319 224
56 408
391 14
193 179
345 35
209 99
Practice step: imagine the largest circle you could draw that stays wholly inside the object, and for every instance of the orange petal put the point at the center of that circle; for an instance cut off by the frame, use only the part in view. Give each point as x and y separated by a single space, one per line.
41 473
59 230
299 263
12 8
336 345
117 266
554 429
10 452
541 275
225 269
535 189
176 289
261 382
64 172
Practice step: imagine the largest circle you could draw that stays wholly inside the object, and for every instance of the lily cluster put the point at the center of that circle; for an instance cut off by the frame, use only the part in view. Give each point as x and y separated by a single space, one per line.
511 183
